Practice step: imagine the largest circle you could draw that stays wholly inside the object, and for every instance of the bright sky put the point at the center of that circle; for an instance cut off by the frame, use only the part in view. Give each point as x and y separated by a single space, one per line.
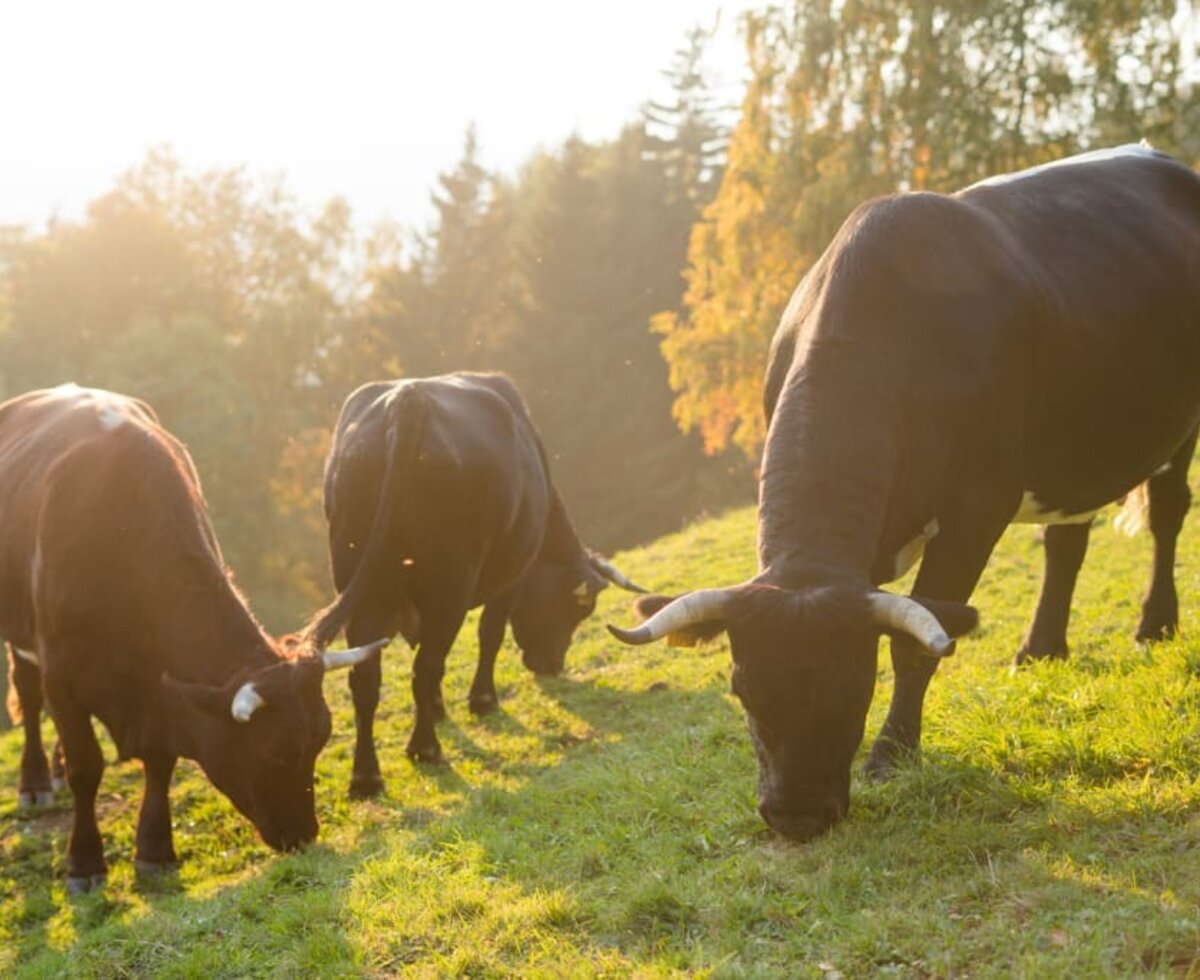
365 100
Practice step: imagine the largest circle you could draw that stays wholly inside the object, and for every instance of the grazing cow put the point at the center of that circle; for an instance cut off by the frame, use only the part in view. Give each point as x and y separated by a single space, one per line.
1027 349
116 604
439 499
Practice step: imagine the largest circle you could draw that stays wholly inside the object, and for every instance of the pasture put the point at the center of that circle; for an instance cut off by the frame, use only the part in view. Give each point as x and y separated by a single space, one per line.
604 823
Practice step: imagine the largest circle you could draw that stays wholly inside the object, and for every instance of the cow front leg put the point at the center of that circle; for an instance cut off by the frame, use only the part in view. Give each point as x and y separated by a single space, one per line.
428 668
366 781
86 868
1065 545
155 848
953 562
492 623
25 683
1170 499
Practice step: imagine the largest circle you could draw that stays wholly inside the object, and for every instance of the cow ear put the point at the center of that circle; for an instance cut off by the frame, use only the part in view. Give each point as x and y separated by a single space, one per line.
688 636
957 618
204 698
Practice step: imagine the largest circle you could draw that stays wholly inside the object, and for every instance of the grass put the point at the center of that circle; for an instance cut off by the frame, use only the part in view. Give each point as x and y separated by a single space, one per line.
604 822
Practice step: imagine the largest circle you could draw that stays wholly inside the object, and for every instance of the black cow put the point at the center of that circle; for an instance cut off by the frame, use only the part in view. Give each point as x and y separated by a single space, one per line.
1025 350
116 604
439 499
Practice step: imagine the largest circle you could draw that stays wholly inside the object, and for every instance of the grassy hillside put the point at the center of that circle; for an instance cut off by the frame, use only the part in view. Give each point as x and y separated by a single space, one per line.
604 823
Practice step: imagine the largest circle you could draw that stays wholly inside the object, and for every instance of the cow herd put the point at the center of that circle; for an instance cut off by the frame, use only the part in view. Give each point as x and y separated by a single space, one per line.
1026 350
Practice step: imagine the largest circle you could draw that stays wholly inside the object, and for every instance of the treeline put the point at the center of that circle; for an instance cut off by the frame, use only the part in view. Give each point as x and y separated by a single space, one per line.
849 99
246 320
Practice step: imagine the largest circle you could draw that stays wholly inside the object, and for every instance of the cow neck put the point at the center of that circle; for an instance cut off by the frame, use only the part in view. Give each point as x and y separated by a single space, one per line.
560 545
216 638
828 466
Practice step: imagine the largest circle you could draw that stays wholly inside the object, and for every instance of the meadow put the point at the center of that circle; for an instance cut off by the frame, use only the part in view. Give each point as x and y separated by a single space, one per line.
604 822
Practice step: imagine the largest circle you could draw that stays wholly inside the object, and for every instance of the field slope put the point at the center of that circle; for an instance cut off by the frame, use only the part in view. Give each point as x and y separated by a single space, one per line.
604 822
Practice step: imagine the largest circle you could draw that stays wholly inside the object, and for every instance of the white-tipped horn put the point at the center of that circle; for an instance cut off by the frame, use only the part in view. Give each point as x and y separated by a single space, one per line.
339 659
701 606
246 702
909 616
606 569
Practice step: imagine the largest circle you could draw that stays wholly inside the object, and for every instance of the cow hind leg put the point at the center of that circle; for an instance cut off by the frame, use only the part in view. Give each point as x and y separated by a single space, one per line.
366 780
25 679
86 868
430 664
1065 545
155 848
1170 498
492 623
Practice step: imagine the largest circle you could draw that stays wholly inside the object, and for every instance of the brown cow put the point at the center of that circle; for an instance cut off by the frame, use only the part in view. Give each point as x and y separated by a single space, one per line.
113 590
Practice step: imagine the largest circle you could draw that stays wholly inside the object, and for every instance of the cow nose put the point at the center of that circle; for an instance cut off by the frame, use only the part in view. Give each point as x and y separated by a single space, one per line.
800 825
544 667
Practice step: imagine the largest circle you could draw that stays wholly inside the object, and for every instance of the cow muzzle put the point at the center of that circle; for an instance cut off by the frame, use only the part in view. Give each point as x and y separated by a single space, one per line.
544 665
801 825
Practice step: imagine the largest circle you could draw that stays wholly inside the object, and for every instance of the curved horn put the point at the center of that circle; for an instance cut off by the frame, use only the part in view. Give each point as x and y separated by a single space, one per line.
701 606
606 569
338 659
246 702
909 616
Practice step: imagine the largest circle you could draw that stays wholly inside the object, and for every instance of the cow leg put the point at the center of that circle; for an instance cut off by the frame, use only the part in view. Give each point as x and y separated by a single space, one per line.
366 780
1065 546
86 868
428 668
492 623
953 562
1170 499
25 681
155 850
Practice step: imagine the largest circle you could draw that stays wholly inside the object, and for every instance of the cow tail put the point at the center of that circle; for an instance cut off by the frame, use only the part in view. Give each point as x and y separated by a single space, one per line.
1134 515
406 422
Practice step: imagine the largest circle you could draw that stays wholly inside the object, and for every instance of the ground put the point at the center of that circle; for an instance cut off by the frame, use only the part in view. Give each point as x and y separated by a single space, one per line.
604 822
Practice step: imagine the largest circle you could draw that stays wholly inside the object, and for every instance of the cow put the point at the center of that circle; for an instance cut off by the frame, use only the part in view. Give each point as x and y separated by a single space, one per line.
1027 349
117 605
439 499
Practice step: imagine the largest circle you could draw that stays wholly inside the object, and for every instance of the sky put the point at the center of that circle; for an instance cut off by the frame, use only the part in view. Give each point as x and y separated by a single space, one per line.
363 100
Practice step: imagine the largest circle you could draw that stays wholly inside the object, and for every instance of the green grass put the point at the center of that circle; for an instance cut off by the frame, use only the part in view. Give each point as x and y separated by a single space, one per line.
604 822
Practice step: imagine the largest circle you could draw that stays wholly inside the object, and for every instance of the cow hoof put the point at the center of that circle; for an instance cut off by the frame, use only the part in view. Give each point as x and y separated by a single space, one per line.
429 754
365 786
884 759
155 869
1149 633
83 884
483 704
32 799
1026 654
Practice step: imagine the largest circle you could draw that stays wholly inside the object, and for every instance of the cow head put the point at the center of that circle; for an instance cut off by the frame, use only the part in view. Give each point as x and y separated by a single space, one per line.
257 739
804 666
552 600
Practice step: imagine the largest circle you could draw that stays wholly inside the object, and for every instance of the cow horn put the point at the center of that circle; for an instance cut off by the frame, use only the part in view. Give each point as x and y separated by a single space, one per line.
246 702
909 616
606 569
703 605
337 659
